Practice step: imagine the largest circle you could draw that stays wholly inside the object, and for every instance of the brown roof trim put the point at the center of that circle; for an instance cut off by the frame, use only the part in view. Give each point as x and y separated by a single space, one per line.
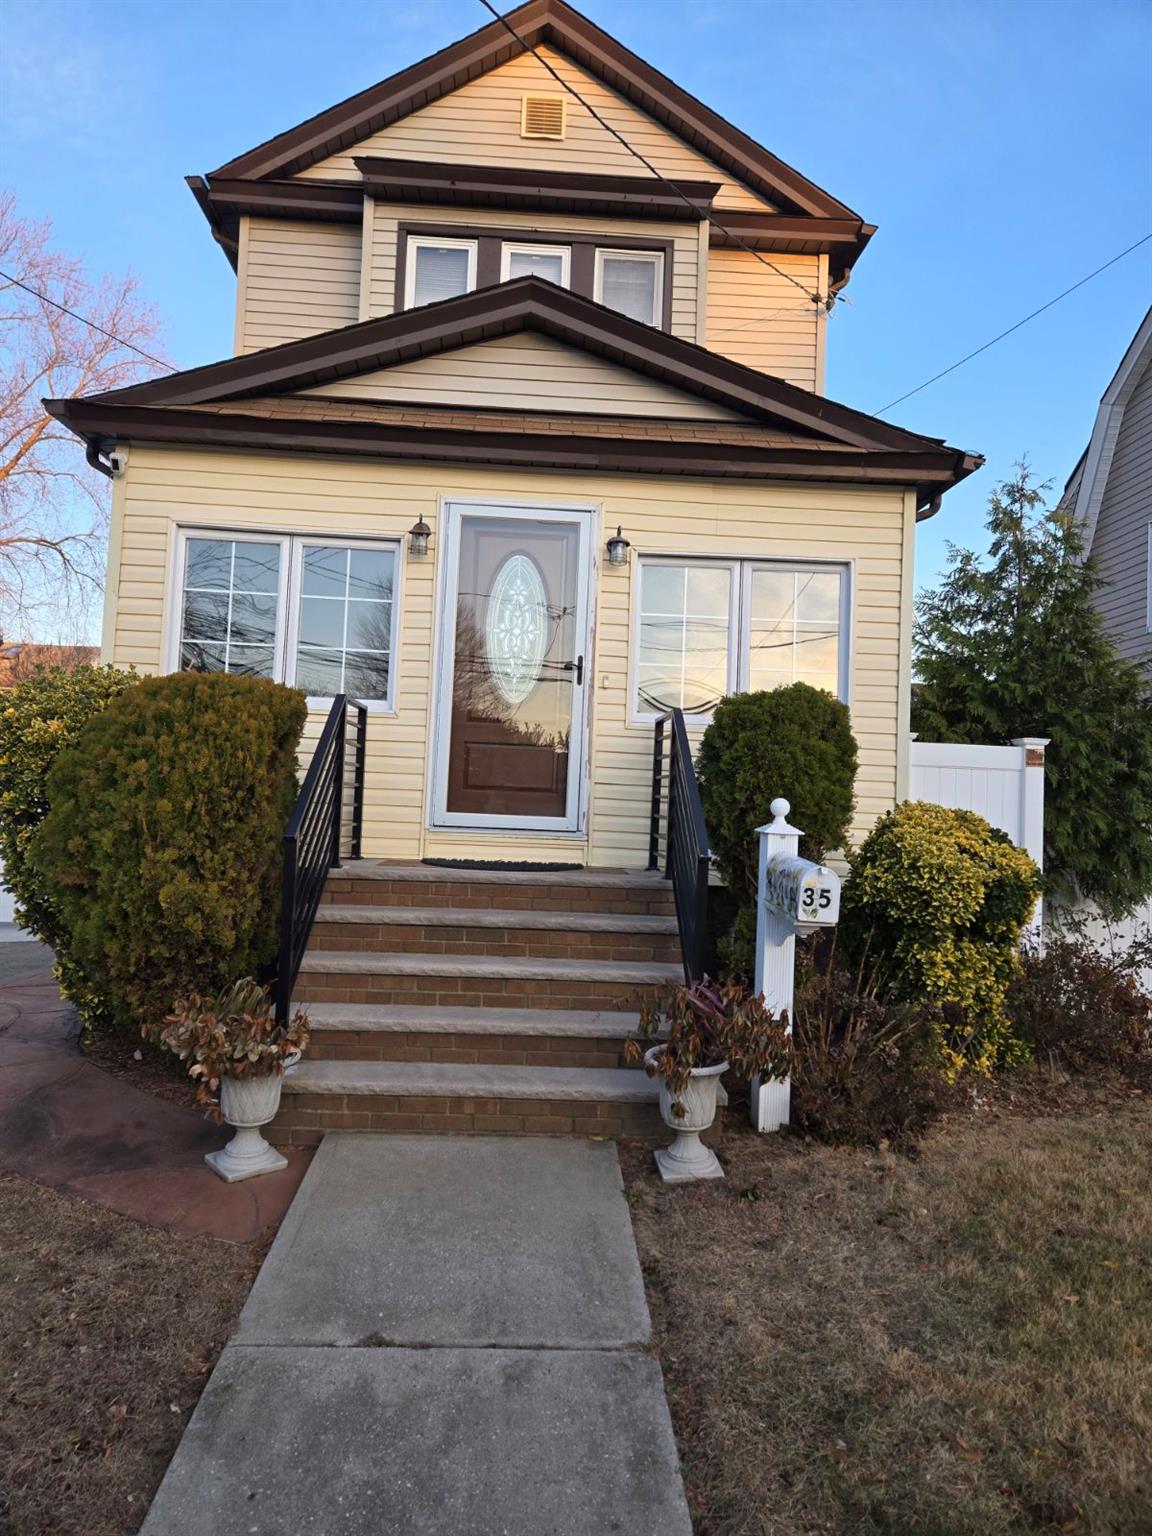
843 239
930 471
491 186
537 22
526 303
223 200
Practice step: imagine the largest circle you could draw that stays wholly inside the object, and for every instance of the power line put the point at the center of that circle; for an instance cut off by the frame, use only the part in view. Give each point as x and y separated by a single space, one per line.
63 308
1016 327
647 164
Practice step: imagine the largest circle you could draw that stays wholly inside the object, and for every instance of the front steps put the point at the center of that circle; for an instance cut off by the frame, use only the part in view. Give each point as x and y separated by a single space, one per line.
484 1001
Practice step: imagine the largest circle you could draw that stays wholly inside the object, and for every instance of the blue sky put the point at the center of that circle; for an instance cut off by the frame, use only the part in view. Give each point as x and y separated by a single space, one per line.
1003 147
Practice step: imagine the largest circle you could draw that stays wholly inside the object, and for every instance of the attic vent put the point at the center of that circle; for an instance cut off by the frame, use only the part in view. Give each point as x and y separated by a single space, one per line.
542 117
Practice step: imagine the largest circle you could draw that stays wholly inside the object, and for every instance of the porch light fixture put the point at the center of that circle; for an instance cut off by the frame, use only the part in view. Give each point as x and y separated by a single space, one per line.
618 547
418 536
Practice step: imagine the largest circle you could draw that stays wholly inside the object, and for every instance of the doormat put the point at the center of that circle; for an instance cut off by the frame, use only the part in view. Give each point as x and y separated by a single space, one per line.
502 864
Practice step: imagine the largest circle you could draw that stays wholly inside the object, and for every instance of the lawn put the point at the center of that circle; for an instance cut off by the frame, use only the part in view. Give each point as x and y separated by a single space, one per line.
960 1345
111 1329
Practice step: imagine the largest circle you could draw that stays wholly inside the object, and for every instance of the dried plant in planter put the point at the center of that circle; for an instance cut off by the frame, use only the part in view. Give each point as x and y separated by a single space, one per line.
704 1025
233 1034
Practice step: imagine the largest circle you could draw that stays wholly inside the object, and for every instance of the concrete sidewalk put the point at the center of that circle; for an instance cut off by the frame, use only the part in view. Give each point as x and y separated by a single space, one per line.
445 1340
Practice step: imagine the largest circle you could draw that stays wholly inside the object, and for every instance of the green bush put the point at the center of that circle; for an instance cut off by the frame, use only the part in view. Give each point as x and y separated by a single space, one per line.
937 900
161 847
796 742
38 719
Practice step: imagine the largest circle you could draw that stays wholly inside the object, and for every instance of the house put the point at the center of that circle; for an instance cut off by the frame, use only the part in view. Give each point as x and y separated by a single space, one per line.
24 659
525 444
1110 495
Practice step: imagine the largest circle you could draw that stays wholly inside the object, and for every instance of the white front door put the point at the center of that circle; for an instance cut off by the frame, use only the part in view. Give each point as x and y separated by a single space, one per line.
514 667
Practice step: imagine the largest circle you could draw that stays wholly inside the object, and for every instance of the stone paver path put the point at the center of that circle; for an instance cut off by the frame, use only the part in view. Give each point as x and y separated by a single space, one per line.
447 1339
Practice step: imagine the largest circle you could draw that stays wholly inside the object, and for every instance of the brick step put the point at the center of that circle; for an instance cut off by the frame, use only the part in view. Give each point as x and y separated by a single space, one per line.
372 882
410 1096
479 981
591 936
530 1037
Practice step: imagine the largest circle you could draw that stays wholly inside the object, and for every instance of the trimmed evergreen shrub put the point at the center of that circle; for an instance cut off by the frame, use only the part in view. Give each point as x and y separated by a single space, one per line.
38 719
161 847
796 742
937 901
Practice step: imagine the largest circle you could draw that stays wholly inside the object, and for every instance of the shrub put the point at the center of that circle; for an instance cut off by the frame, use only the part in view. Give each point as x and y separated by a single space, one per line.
1081 1009
38 719
796 742
937 899
865 1068
234 1034
161 847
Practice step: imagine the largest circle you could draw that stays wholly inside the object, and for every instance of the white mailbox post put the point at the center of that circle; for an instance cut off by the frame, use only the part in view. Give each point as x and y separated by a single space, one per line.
793 896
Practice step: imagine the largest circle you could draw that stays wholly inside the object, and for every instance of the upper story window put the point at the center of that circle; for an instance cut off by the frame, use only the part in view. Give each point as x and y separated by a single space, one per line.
316 613
552 262
710 627
632 282
438 269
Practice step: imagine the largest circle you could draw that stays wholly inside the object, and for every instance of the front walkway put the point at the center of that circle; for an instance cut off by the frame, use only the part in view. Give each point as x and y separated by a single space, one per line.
66 1123
447 1339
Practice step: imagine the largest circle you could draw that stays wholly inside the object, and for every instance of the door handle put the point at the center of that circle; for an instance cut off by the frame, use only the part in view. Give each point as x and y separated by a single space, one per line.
576 666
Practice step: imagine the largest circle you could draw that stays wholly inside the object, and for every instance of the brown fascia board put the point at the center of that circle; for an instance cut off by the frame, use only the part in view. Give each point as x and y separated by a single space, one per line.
930 472
507 187
537 22
222 202
525 303
843 239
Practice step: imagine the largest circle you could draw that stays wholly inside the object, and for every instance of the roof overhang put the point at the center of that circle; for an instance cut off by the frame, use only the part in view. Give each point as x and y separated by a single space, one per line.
819 429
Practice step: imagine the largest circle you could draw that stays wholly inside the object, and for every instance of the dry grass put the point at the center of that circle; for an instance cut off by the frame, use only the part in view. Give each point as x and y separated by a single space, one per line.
959 1345
111 1328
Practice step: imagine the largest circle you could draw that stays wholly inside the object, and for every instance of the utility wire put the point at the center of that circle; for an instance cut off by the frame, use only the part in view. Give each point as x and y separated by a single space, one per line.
63 308
812 296
1016 327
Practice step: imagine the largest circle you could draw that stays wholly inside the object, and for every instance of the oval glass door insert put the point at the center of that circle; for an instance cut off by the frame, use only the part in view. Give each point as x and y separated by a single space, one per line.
516 632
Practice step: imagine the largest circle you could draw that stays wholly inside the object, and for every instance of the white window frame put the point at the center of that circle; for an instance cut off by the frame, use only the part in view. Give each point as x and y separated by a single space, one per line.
741 568
292 546
527 248
653 258
416 243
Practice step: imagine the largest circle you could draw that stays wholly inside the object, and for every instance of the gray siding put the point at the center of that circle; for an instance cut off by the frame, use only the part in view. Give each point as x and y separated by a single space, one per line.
1121 541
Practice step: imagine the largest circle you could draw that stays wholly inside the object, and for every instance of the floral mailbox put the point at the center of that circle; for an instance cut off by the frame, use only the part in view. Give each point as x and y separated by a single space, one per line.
807 894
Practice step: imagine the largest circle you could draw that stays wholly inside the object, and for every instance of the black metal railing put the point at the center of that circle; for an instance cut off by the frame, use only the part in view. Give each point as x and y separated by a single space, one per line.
314 838
687 855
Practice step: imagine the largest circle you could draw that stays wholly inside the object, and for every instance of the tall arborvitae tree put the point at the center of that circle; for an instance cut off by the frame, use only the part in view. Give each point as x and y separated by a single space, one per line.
1011 644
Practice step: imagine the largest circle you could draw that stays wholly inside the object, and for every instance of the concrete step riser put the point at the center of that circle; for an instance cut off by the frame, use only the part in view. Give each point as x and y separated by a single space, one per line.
461 1049
637 901
473 991
519 943
304 1118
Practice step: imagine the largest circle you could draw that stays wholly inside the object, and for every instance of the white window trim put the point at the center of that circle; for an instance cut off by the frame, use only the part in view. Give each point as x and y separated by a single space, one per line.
288 593
523 247
419 242
653 258
741 568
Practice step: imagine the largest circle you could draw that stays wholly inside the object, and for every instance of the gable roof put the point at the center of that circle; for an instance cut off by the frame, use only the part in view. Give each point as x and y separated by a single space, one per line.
537 22
1084 492
810 423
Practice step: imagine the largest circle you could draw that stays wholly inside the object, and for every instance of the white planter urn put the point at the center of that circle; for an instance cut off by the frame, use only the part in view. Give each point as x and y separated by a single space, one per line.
688 1158
247 1103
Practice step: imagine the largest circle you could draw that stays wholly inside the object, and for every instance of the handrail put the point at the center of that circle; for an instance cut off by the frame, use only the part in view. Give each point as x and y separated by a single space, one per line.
688 857
313 839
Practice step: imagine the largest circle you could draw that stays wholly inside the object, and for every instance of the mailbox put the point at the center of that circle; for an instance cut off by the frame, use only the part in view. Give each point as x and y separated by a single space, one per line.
806 894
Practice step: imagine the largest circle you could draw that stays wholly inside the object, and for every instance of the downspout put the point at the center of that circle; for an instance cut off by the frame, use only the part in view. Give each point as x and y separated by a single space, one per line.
929 508
92 454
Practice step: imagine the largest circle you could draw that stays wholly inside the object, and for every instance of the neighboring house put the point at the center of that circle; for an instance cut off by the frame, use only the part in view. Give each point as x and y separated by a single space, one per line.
26 658
1110 493
475 338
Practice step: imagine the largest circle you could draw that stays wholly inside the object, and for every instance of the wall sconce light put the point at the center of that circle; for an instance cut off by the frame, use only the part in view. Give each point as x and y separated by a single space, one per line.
618 547
418 536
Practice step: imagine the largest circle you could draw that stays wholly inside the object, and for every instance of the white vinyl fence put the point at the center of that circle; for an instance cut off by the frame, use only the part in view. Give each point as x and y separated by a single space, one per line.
1005 785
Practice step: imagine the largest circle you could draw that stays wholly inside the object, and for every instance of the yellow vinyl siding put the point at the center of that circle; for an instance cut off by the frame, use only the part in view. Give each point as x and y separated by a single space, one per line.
865 526
757 317
296 279
479 124
527 372
380 277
